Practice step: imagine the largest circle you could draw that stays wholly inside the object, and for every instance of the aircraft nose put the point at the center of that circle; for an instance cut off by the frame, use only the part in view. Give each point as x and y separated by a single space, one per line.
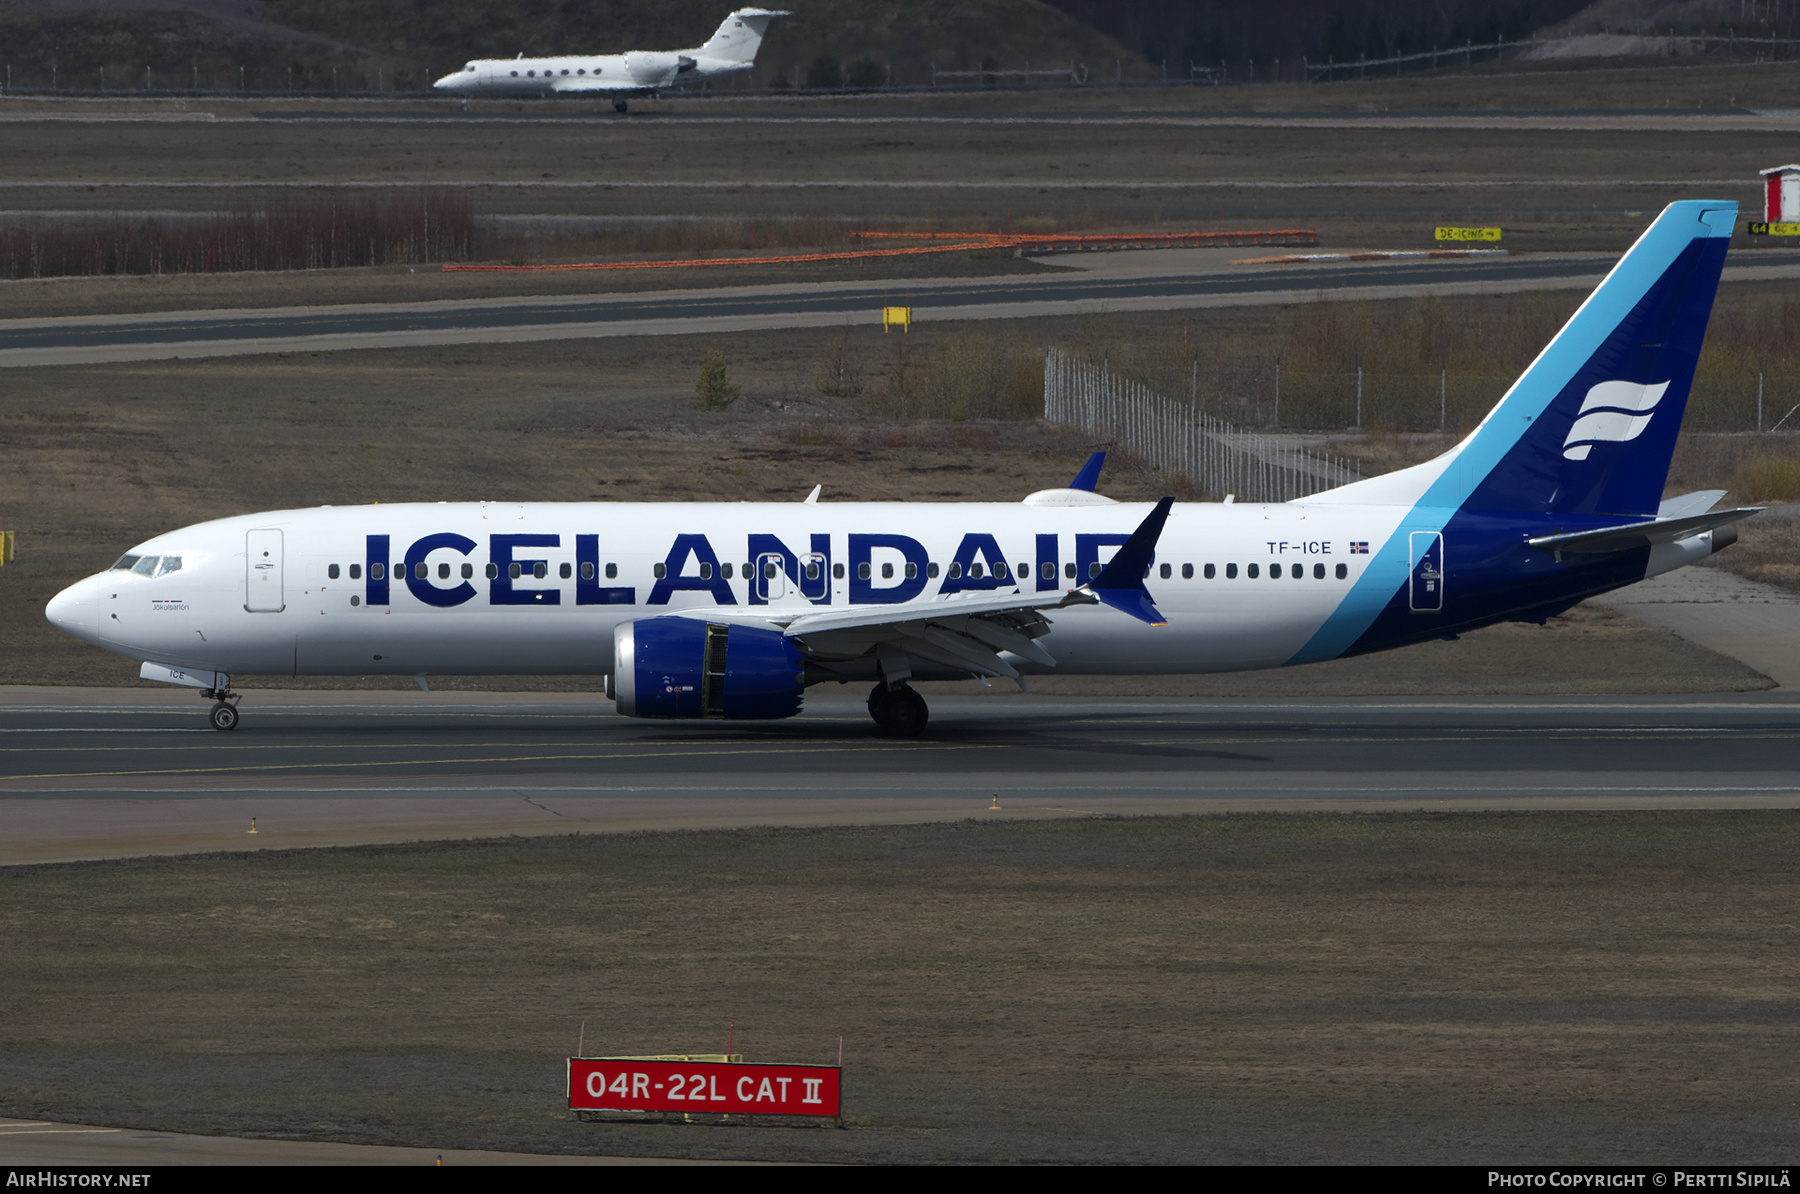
73 610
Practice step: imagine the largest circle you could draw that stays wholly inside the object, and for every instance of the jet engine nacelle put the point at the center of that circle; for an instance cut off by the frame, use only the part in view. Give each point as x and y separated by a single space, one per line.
649 69
686 667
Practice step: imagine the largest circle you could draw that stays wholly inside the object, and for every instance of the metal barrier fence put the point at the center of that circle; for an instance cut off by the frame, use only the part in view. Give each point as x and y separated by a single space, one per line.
1173 437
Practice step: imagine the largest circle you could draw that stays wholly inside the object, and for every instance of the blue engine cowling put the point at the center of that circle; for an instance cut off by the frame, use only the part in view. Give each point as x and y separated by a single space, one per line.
686 667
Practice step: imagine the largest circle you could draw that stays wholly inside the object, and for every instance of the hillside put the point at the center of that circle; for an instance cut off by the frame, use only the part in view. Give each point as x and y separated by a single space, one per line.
371 41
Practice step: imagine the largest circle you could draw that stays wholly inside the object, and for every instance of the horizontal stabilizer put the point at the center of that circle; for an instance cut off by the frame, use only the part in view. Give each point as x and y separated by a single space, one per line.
1089 476
1641 534
1698 502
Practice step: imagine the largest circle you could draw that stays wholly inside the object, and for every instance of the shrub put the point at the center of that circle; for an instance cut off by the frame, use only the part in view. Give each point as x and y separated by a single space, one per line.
714 390
865 73
824 74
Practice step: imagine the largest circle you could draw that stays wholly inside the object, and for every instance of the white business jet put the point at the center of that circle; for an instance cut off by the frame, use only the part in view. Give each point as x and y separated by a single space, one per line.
617 76
730 610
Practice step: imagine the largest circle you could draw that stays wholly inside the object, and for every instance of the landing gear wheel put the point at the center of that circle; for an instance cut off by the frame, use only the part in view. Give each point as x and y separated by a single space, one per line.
900 712
619 106
223 717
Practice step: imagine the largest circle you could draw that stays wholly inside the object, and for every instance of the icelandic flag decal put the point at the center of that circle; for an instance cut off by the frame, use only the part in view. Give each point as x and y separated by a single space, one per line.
1359 547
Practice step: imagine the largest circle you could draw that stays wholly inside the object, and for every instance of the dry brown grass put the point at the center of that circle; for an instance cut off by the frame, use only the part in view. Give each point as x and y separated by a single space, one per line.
1527 988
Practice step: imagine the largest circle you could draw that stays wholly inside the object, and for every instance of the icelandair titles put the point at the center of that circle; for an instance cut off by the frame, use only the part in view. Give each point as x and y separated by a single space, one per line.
881 569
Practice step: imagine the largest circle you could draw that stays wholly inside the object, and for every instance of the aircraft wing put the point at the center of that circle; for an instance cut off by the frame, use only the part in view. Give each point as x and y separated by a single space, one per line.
960 633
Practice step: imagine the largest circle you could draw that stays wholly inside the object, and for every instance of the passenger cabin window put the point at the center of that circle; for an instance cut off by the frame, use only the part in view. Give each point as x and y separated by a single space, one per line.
1318 572
443 572
726 570
612 571
563 572
468 570
975 571
587 571
1187 572
887 572
421 570
812 570
837 571
493 570
377 571
1167 572
862 571
931 570
1343 570
540 570
955 571
1069 571
332 572
1250 571
1231 571
912 571
659 572
513 571
706 572
1093 569
1049 570
356 572
1211 572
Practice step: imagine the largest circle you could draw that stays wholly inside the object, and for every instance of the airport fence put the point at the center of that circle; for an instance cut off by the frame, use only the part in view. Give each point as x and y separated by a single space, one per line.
1174 437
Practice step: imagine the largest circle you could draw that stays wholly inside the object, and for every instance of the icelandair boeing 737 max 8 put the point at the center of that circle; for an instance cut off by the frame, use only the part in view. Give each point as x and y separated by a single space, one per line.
729 610
617 76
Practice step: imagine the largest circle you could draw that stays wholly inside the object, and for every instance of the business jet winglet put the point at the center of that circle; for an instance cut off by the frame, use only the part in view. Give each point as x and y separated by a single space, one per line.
620 77
733 609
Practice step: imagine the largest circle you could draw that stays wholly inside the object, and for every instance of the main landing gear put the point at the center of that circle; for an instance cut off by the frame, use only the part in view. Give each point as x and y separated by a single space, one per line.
224 714
900 712
619 106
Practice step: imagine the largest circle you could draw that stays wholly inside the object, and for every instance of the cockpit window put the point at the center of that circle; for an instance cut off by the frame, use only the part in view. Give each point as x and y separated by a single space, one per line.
126 563
169 564
147 565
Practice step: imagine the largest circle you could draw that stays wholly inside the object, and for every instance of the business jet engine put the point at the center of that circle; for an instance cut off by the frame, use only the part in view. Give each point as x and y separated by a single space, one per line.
686 667
651 69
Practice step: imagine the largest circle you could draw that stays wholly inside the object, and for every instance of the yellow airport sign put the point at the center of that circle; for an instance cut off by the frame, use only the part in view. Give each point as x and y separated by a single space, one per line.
1468 234
1758 228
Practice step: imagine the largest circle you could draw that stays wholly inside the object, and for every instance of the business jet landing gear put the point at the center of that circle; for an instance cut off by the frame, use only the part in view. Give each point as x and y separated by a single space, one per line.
224 714
900 712
619 106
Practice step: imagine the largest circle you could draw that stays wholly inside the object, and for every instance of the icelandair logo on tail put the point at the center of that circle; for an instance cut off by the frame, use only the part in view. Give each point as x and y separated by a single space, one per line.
1612 412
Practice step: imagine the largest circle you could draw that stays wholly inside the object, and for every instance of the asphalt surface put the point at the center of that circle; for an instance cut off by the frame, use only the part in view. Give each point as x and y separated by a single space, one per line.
81 338
90 773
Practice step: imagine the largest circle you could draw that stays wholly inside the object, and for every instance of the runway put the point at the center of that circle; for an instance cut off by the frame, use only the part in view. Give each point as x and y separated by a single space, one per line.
85 339
93 773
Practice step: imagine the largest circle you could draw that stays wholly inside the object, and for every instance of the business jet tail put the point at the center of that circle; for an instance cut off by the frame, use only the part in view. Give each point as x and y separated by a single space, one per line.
1590 426
740 36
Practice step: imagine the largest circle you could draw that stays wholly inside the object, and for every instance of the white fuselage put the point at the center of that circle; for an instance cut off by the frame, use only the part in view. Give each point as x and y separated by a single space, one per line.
274 593
636 73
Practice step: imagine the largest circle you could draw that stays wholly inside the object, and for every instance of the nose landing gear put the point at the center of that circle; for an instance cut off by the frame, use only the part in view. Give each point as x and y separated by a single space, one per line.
619 106
900 712
224 714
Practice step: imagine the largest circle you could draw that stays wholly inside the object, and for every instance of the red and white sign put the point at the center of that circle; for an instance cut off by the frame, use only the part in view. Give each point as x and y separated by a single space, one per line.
607 1084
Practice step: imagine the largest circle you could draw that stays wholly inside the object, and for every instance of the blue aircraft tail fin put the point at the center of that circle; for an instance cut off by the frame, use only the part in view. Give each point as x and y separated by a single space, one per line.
1590 426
